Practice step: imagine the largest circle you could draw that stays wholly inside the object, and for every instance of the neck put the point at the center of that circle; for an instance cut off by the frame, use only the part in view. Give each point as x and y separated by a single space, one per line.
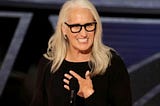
77 56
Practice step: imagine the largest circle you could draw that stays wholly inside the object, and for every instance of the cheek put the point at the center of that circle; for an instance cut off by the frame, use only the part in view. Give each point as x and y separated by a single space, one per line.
71 37
92 36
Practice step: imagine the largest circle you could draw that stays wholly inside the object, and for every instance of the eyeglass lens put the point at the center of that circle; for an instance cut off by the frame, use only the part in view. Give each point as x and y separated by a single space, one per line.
75 28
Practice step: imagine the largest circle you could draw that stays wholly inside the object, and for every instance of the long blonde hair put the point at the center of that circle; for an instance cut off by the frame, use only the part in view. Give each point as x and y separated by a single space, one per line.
57 45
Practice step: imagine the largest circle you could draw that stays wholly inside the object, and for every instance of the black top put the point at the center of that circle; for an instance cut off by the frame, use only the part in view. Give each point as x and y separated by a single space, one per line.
111 89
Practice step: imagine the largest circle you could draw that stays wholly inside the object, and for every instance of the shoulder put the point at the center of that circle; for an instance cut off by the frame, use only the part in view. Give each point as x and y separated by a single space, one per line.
117 63
44 64
44 61
117 69
116 58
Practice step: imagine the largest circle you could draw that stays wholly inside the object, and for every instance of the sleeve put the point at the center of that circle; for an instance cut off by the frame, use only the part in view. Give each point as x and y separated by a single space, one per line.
91 101
119 83
38 98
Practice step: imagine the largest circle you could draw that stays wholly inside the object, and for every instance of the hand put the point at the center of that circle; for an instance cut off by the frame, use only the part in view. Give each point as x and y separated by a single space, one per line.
85 84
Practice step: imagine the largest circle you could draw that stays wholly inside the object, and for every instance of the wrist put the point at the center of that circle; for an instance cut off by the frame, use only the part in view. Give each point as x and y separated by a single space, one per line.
88 93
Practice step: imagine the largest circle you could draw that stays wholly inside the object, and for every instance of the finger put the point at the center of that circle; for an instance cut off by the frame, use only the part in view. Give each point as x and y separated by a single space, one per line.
66 81
68 76
87 75
75 74
66 87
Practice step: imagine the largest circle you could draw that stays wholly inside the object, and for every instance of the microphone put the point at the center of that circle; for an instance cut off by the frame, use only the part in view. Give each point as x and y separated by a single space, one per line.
74 87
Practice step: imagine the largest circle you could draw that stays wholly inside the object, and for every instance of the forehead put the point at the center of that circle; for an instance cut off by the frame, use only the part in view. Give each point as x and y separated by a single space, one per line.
79 15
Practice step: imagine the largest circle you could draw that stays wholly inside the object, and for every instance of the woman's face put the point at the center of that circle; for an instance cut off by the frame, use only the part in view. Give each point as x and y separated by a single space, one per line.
80 38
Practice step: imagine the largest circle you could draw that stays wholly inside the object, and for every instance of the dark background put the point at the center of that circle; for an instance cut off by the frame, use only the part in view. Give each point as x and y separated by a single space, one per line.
130 27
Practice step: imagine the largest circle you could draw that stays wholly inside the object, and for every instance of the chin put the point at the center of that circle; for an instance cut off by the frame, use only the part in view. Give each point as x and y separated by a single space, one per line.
85 50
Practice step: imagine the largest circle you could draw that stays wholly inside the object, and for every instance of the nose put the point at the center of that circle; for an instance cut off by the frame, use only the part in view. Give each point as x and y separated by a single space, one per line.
83 32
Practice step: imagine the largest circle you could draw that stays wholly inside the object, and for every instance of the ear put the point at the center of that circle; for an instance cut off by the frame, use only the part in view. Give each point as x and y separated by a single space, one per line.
64 29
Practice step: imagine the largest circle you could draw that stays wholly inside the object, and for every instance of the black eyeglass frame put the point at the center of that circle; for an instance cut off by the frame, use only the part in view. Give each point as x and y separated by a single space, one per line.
85 25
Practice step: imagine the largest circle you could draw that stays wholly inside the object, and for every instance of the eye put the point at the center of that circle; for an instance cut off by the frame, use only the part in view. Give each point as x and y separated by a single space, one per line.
75 26
90 24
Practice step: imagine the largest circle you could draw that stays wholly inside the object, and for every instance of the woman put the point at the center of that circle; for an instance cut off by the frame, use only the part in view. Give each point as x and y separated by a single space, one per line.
76 51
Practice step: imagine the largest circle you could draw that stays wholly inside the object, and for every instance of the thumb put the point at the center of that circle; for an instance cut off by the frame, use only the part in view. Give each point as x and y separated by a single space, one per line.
87 75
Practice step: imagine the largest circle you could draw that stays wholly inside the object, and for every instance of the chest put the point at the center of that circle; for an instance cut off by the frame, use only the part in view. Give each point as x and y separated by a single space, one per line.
60 96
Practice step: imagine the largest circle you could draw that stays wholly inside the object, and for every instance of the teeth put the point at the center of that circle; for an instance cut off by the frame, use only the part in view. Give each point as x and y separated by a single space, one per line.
82 40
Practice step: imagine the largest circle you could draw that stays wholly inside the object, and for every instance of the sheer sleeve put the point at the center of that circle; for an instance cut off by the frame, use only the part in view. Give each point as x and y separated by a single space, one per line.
119 87
39 94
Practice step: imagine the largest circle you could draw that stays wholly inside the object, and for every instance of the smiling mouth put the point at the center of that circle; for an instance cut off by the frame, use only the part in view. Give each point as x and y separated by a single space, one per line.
82 40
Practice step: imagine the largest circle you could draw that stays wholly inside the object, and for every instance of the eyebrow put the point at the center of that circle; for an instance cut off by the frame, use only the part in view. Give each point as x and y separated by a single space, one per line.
80 24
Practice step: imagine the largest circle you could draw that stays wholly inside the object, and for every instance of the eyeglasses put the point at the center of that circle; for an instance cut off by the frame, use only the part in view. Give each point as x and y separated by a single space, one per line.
76 28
